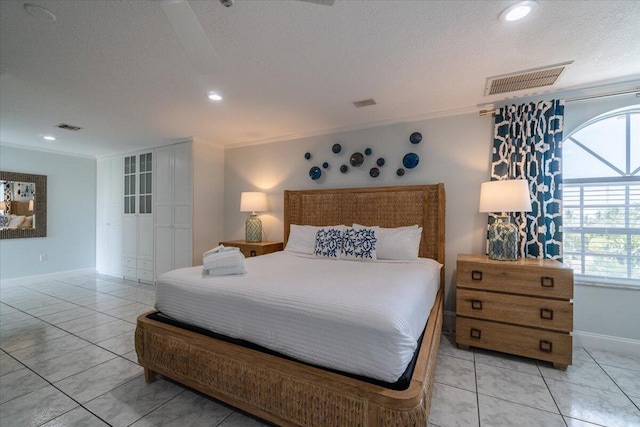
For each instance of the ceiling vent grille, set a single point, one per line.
(66, 126)
(528, 79)
(365, 103)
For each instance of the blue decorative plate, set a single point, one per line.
(315, 173)
(415, 138)
(325, 165)
(400, 172)
(374, 172)
(336, 148)
(307, 156)
(356, 159)
(344, 168)
(410, 160)
(380, 162)
(368, 151)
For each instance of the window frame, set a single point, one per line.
(627, 179)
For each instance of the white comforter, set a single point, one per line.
(359, 317)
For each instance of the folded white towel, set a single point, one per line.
(223, 259)
(219, 249)
(226, 271)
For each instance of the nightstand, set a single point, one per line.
(521, 307)
(250, 249)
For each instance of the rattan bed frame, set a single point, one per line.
(289, 393)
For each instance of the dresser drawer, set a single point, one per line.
(130, 273)
(145, 275)
(128, 262)
(535, 343)
(527, 311)
(518, 278)
(145, 264)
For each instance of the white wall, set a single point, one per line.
(71, 215)
(454, 150)
(208, 198)
(603, 310)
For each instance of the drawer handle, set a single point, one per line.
(253, 253)
(547, 314)
(476, 275)
(475, 333)
(476, 304)
(546, 282)
(546, 346)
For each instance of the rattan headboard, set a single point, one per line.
(383, 206)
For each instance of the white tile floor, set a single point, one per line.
(67, 359)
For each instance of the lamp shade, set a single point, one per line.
(31, 205)
(510, 195)
(3, 206)
(253, 201)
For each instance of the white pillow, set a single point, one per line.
(302, 239)
(328, 243)
(400, 243)
(15, 221)
(359, 245)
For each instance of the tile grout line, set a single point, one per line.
(475, 377)
(611, 378)
(551, 394)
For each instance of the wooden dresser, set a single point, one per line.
(250, 249)
(521, 307)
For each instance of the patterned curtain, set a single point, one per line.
(527, 144)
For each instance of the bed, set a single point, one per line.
(289, 392)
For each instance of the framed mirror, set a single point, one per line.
(23, 205)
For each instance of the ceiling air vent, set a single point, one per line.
(528, 79)
(365, 103)
(66, 126)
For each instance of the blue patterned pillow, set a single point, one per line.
(4, 221)
(359, 245)
(328, 243)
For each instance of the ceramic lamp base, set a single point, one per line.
(253, 229)
(503, 240)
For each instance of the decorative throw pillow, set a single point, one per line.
(4, 221)
(329, 242)
(15, 221)
(359, 245)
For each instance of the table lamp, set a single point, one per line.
(253, 201)
(502, 197)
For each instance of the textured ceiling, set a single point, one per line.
(285, 68)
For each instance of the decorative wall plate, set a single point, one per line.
(400, 172)
(344, 168)
(380, 162)
(368, 151)
(325, 165)
(415, 138)
(315, 173)
(410, 160)
(374, 172)
(336, 148)
(307, 156)
(356, 160)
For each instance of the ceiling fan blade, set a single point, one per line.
(322, 2)
(191, 35)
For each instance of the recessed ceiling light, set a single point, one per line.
(214, 96)
(518, 11)
(49, 138)
(39, 12)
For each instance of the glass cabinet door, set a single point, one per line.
(130, 185)
(144, 194)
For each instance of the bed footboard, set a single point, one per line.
(282, 391)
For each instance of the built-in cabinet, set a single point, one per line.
(137, 222)
(109, 216)
(150, 204)
(173, 204)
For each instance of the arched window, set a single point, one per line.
(601, 202)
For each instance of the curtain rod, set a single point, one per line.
(580, 98)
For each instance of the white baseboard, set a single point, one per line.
(606, 342)
(57, 275)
